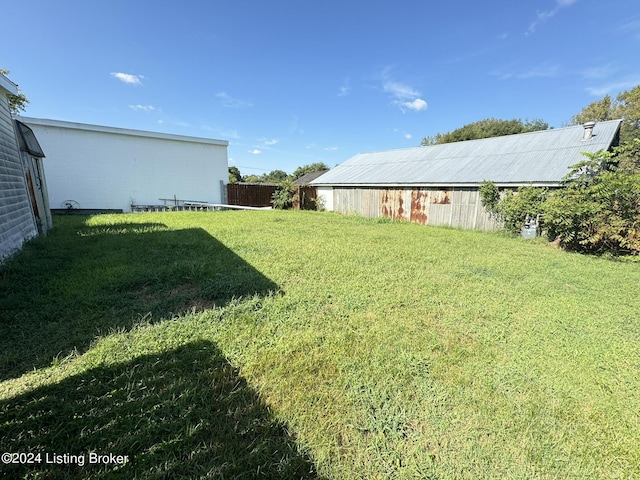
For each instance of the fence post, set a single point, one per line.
(224, 194)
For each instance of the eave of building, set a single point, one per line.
(120, 131)
(437, 185)
(7, 86)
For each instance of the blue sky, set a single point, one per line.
(289, 83)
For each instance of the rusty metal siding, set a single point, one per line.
(393, 204)
(419, 206)
(456, 207)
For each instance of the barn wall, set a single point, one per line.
(107, 170)
(456, 207)
(17, 223)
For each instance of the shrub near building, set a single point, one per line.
(513, 208)
(598, 211)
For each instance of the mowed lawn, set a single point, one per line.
(279, 344)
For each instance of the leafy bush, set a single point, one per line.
(603, 216)
(598, 211)
(516, 207)
(282, 198)
(511, 207)
(489, 196)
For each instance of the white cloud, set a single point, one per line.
(503, 73)
(128, 78)
(600, 72)
(632, 28)
(228, 101)
(255, 151)
(345, 88)
(547, 14)
(543, 70)
(142, 108)
(613, 87)
(330, 149)
(416, 105)
(273, 141)
(408, 136)
(399, 90)
(404, 96)
(537, 71)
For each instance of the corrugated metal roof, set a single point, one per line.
(542, 157)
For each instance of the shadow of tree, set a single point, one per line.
(81, 282)
(185, 413)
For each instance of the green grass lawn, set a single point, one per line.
(310, 345)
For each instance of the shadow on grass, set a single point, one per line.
(185, 413)
(81, 282)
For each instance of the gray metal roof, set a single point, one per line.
(308, 177)
(542, 157)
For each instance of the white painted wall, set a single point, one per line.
(326, 194)
(111, 168)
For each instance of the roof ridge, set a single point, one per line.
(552, 129)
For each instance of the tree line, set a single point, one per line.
(625, 106)
(275, 176)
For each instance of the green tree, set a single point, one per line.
(489, 127)
(598, 211)
(626, 106)
(310, 168)
(17, 103)
(628, 156)
(598, 111)
(253, 178)
(276, 176)
(234, 175)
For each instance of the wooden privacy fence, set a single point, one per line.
(259, 195)
(250, 194)
(305, 198)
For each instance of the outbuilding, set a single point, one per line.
(98, 168)
(439, 184)
(17, 218)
